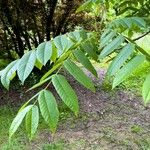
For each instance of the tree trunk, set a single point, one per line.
(49, 18)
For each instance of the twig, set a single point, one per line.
(141, 36)
(127, 40)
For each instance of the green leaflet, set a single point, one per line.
(66, 93)
(40, 83)
(128, 23)
(86, 6)
(47, 74)
(80, 56)
(8, 73)
(18, 120)
(120, 59)
(54, 53)
(114, 44)
(105, 40)
(124, 3)
(125, 24)
(26, 65)
(90, 49)
(75, 36)
(121, 23)
(146, 90)
(11, 72)
(44, 52)
(105, 33)
(79, 75)
(139, 22)
(32, 121)
(49, 109)
(63, 57)
(38, 64)
(62, 43)
(1, 72)
(128, 69)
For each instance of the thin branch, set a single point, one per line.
(141, 36)
(127, 40)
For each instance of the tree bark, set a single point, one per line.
(51, 4)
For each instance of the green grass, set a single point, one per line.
(20, 140)
(6, 116)
(59, 145)
(136, 129)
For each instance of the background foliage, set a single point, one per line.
(25, 24)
